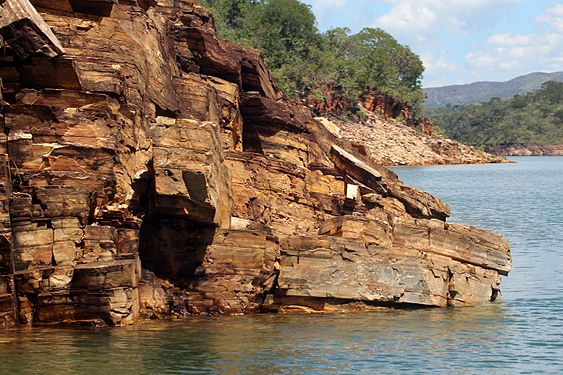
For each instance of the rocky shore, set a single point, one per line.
(529, 150)
(151, 170)
(392, 143)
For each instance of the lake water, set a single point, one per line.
(523, 201)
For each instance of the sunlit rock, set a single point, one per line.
(152, 170)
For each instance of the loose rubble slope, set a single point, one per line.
(391, 142)
(151, 170)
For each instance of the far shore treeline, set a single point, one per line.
(316, 67)
(535, 118)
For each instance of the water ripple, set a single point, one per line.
(523, 336)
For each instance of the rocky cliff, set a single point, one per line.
(151, 170)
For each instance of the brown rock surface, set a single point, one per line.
(347, 270)
(528, 150)
(25, 31)
(392, 142)
(152, 170)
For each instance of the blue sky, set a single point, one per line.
(461, 41)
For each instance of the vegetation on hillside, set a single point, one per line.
(478, 92)
(532, 119)
(330, 69)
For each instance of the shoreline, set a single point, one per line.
(391, 143)
(209, 192)
(527, 150)
(506, 161)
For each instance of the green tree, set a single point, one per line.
(533, 118)
(379, 62)
(553, 92)
(307, 64)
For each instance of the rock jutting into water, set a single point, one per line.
(152, 170)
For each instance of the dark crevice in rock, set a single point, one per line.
(452, 293)
(160, 172)
(494, 294)
(173, 248)
(100, 8)
(165, 112)
(143, 188)
(251, 78)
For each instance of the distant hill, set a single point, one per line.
(483, 91)
(532, 119)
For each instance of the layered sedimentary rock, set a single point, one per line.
(151, 170)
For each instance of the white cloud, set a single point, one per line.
(406, 16)
(553, 16)
(437, 66)
(328, 5)
(427, 16)
(462, 40)
(344, 9)
(518, 53)
(509, 39)
(480, 60)
(428, 26)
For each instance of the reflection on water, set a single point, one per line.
(395, 340)
(524, 201)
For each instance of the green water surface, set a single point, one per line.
(523, 201)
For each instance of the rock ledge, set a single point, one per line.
(152, 170)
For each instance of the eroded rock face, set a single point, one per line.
(152, 170)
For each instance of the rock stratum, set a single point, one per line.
(152, 170)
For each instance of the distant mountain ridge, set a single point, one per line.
(478, 92)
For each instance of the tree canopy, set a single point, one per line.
(535, 118)
(322, 67)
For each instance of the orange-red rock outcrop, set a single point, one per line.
(152, 170)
